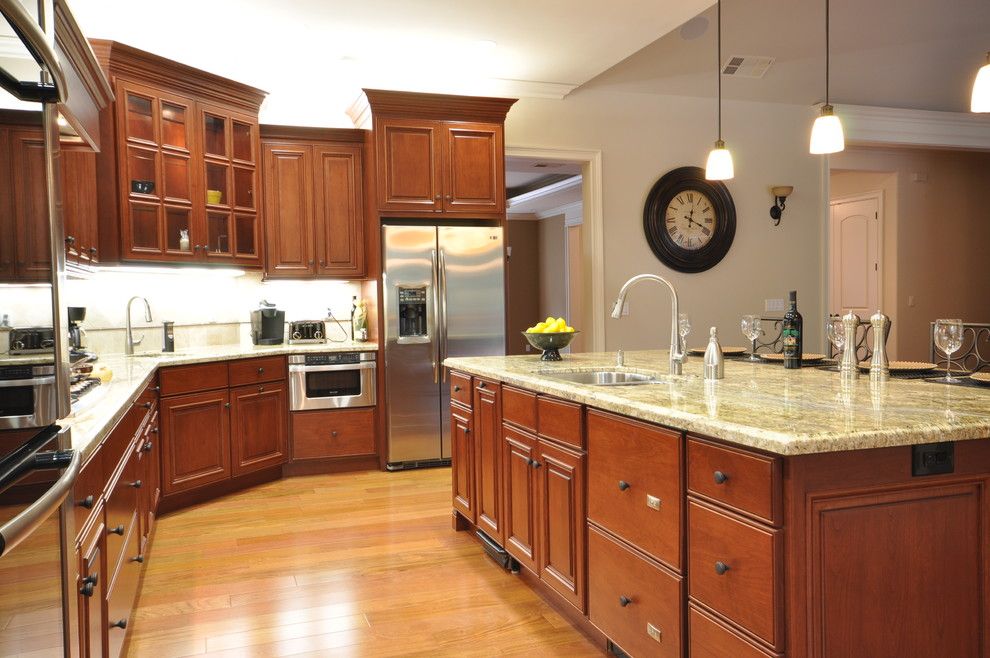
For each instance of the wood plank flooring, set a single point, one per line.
(353, 564)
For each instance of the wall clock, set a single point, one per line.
(689, 221)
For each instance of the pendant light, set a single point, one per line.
(826, 133)
(719, 165)
(981, 89)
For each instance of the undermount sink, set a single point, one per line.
(157, 355)
(604, 377)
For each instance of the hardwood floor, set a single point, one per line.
(356, 564)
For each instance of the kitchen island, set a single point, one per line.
(774, 512)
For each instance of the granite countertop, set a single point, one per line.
(761, 405)
(100, 409)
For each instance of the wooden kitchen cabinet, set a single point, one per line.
(521, 486)
(258, 433)
(196, 435)
(333, 433)
(488, 482)
(314, 210)
(91, 586)
(439, 155)
(33, 259)
(79, 203)
(562, 538)
(462, 459)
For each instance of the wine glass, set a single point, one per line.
(836, 333)
(683, 328)
(751, 329)
(948, 338)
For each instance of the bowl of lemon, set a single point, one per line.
(551, 335)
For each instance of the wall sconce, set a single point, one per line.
(780, 194)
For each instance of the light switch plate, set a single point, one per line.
(774, 305)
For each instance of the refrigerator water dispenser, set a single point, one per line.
(412, 312)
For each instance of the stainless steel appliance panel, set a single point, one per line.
(412, 359)
(472, 299)
(332, 381)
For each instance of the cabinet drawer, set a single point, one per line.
(560, 421)
(460, 388)
(121, 597)
(710, 638)
(636, 603)
(86, 491)
(519, 408)
(254, 371)
(735, 569)
(343, 433)
(188, 379)
(743, 480)
(634, 483)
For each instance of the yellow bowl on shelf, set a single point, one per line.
(214, 197)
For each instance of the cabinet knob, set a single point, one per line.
(437, 197)
(721, 568)
(535, 464)
(333, 434)
(89, 584)
(146, 405)
(86, 502)
(70, 240)
(155, 388)
(261, 389)
(148, 445)
(138, 558)
(226, 405)
(624, 601)
(482, 385)
(467, 430)
(153, 430)
(449, 197)
(457, 389)
(198, 247)
(311, 262)
(623, 485)
(720, 477)
(92, 250)
(137, 484)
(261, 371)
(323, 263)
(120, 623)
(119, 530)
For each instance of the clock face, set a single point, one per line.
(690, 219)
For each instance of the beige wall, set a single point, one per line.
(641, 137)
(942, 233)
(553, 264)
(522, 280)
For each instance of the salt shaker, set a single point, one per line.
(849, 368)
(714, 361)
(879, 366)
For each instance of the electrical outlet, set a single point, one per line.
(911, 300)
(774, 305)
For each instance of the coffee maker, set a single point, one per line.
(76, 314)
(267, 325)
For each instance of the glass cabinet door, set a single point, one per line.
(214, 135)
(220, 235)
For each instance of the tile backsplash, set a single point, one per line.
(208, 307)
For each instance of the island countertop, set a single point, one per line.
(760, 405)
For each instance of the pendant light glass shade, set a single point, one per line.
(981, 89)
(719, 165)
(826, 133)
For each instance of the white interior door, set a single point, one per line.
(855, 256)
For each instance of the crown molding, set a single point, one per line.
(446, 107)
(313, 134)
(360, 112)
(573, 213)
(547, 190)
(865, 124)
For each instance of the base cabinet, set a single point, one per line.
(258, 435)
(196, 430)
(91, 590)
(561, 542)
(333, 433)
(488, 458)
(520, 487)
(462, 461)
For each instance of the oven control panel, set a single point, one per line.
(339, 358)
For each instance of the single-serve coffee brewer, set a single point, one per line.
(76, 315)
(267, 325)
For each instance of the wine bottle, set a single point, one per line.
(791, 333)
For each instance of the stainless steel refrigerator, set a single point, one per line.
(444, 296)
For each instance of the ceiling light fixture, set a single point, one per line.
(981, 89)
(826, 133)
(719, 165)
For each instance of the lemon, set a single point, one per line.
(569, 329)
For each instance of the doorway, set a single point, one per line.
(856, 255)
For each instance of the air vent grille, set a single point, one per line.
(747, 66)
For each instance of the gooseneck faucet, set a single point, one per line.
(129, 341)
(676, 349)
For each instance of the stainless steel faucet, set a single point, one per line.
(676, 349)
(129, 341)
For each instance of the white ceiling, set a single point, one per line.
(314, 56)
(521, 171)
(915, 54)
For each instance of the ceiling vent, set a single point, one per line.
(747, 66)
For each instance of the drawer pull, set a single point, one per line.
(156, 389)
(261, 389)
(482, 385)
(119, 530)
(721, 568)
(624, 601)
(87, 502)
(120, 623)
(623, 485)
(139, 559)
(334, 434)
(467, 430)
(89, 585)
(146, 405)
(136, 484)
(261, 371)
(720, 477)
(457, 389)
(652, 502)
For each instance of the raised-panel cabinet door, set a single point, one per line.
(474, 171)
(562, 514)
(31, 236)
(288, 210)
(520, 487)
(91, 588)
(462, 462)
(339, 211)
(7, 270)
(149, 449)
(79, 211)
(409, 165)
(488, 459)
(258, 432)
(195, 440)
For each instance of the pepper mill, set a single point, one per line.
(849, 368)
(714, 361)
(879, 366)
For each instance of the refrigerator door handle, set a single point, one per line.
(436, 303)
(442, 294)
